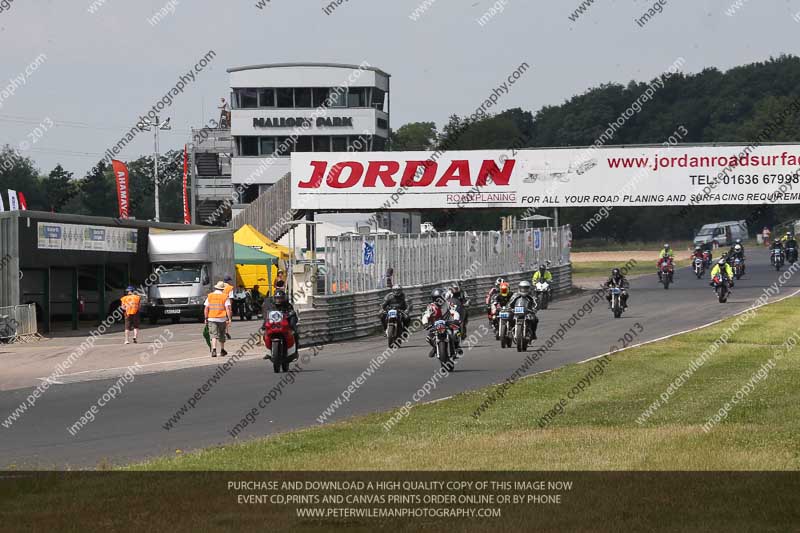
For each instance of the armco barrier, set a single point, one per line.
(345, 317)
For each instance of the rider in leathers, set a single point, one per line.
(524, 290)
(441, 312)
(280, 302)
(617, 280)
(395, 300)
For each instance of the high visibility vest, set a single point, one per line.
(216, 305)
(227, 290)
(131, 304)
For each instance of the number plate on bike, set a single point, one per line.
(519, 310)
(393, 313)
(504, 314)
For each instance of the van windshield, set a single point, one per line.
(706, 231)
(175, 274)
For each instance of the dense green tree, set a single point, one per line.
(414, 136)
(98, 192)
(58, 188)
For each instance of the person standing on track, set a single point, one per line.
(218, 317)
(130, 304)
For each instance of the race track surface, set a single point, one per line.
(130, 428)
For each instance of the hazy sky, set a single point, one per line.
(103, 70)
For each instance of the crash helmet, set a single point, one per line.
(280, 297)
(436, 295)
(722, 261)
(738, 248)
(524, 288)
(455, 290)
(498, 281)
(697, 248)
(397, 290)
(666, 247)
(503, 289)
(738, 241)
(542, 269)
(776, 242)
(788, 234)
(616, 274)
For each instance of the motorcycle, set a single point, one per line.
(445, 343)
(616, 301)
(791, 254)
(395, 326)
(699, 267)
(522, 332)
(706, 259)
(776, 258)
(279, 341)
(504, 327)
(738, 268)
(722, 288)
(242, 305)
(542, 294)
(666, 273)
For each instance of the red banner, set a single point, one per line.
(121, 178)
(23, 203)
(187, 218)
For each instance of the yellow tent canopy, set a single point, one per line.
(250, 275)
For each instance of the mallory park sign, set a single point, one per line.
(636, 176)
(303, 122)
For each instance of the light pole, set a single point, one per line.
(146, 125)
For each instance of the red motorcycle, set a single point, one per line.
(665, 271)
(279, 341)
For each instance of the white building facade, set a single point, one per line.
(277, 109)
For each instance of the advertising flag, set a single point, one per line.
(187, 218)
(23, 203)
(369, 253)
(13, 205)
(121, 178)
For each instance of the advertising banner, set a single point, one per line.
(121, 178)
(637, 176)
(55, 236)
(13, 204)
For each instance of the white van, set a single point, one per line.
(721, 233)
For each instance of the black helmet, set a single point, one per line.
(280, 297)
(397, 290)
(455, 290)
(436, 295)
(542, 269)
(616, 274)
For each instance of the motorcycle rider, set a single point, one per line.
(492, 294)
(665, 254)
(737, 251)
(500, 299)
(698, 252)
(776, 245)
(396, 299)
(617, 280)
(438, 310)
(542, 275)
(280, 302)
(458, 299)
(790, 242)
(524, 291)
(724, 270)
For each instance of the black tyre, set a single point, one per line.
(666, 283)
(617, 312)
(444, 353)
(276, 366)
(391, 334)
(285, 365)
(278, 355)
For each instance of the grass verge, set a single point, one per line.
(598, 429)
(600, 269)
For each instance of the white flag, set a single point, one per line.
(13, 204)
(2, 207)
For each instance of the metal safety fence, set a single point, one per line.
(18, 323)
(358, 263)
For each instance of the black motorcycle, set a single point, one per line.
(395, 325)
(445, 343)
(791, 254)
(523, 317)
(242, 305)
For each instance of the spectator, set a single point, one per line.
(280, 283)
(218, 317)
(130, 304)
(387, 282)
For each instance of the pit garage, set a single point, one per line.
(73, 268)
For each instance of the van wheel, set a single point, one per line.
(153, 320)
(175, 319)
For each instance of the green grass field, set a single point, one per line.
(598, 430)
(599, 269)
(599, 245)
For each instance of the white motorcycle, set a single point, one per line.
(542, 294)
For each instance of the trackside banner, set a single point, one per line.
(642, 176)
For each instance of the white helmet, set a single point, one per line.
(524, 288)
(738, 248)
